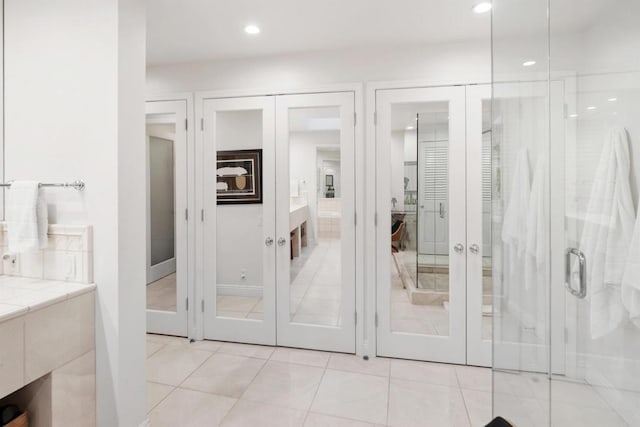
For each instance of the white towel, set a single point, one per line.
(514, 230)
(537, 227)
(26, 216)
(607, 234)
(537, 253)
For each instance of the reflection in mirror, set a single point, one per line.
(161, 251)
(315, 215)
(240, 267)
(420, 218)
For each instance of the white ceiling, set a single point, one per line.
(201, 30)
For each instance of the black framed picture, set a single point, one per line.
(239, 177)
(329, 180)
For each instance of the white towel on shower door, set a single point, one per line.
(607, 233)
(514, 227)
(26, 215)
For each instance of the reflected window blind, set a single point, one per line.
(435, 170)
(486, 169)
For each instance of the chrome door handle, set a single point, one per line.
(282, 241)
(459, 248)
(474, 249)
(268, 241)
(581, 292)
(441, 210)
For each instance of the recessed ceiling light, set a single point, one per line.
(483, 7)
(410, 128)
(612, 99)
(252, 29)
(573, 116)
(528, 63)
(591, 107)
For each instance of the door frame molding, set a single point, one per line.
(361, 293)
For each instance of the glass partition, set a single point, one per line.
(567, 278)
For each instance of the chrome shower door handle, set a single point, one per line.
(459, 248)
(268, 241)
(474, 249)
(282, 241)
(442, 210)
(581, 292)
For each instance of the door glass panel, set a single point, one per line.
(240, 245)
(161, 250)
(420, 209)
(315, 215)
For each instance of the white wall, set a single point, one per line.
(75, 110)
(468, 62)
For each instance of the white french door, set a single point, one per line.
(167, 277)
(434, 290)
(315, 217)
(239, 190)
(279, 207)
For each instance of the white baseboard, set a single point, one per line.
(240, 290)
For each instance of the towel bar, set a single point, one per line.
(78, 185)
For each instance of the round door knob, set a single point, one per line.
(268, 241)
(282, 241)
(459, 248)
(475, 249)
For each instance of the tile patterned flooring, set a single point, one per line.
(212, 383)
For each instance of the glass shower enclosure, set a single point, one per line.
(566, 233)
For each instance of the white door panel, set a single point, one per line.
(167, 181)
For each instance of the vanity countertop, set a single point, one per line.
(19, 295)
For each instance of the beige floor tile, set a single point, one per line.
(420, 404)
(224, 374)
(153, 347)
(353, 396)
(285, 384)
(206, 345)
(167, 339)
(254, 414)
(155, 393)
(317, 319)
(473, 378)
(301, 357)
(187, 408)
(236, 303)
(161, 294)
(478, 404)
(321, 420)
(173, 364)
(352, 363)
(431, 373)
(249, 350)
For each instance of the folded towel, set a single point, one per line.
(607, 232)
(26, 216)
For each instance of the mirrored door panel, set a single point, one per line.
(166, 143)
(239, 242)
(315, 215)
(420, 139)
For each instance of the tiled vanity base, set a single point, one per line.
(47, 360)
